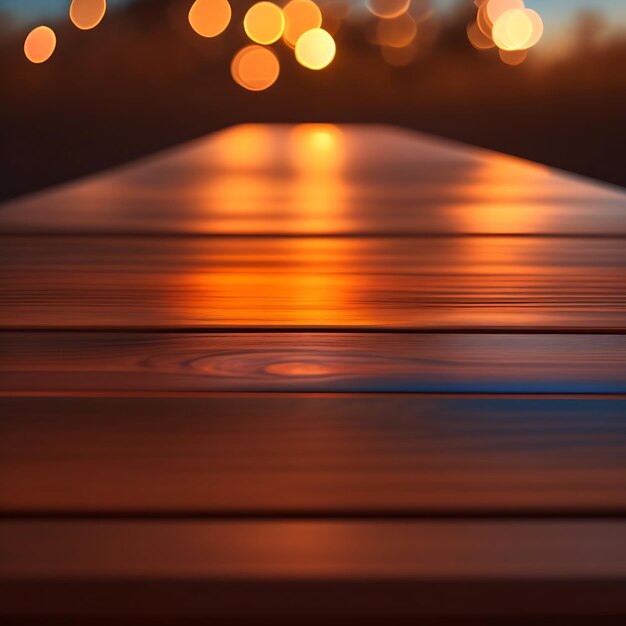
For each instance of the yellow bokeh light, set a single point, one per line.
(388, 8)
(517, 29)
(315, 49)
(86, 14)
(255, 68)
(40, 44)
(300, 16)
(398, 32)
(537, 26)
(209, 18)
(497, 8)
(264, 22)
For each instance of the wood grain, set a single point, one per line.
(313, 549)
(307, 454)
(182, 346)
(69, 362)
(495, 573)
(439, 283)
(323, 179)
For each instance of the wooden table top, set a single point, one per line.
(378, 372)
(324, 180)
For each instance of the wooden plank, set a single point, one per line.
(305, 549)
(262, 572)
(312, 455)
(476, 283)
(68, 362)
(322, 179)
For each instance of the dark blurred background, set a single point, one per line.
(143, 80)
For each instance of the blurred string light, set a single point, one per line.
(40, 44)
(87, 14)
(264, 22)
(255, 68)
(210, 18)
(315, 49)
(507, 25)
(517, 29)
(477, 37)
(300, 16)
(308, 29)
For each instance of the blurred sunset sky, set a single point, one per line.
(145, 80)
(558, 15)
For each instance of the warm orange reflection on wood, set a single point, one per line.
(248, 180)
(427, 283)
(314, 322)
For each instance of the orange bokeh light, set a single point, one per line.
(477, 38)
(209, 18)
(483, 22)
(264, 22)
(86, 14)
(40, 44)
(255, 68)
(300, 16)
